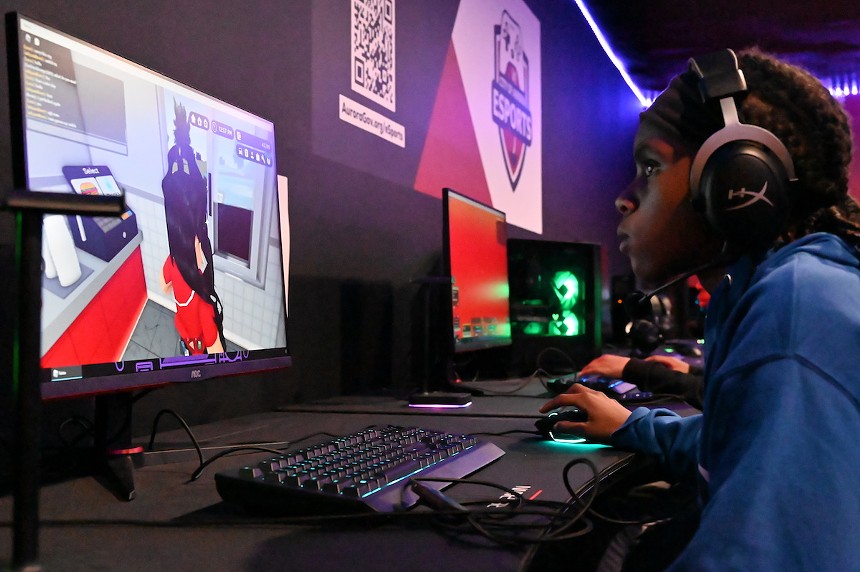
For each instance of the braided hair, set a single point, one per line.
(793, 105)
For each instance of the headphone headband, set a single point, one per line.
(719, 75)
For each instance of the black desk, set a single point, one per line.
(176, 525)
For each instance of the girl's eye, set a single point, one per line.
(649, 168)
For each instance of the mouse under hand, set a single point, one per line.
(546, 426)
(604, 415)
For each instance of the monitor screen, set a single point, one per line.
(476, 256)
(555, 295)
(190, 282)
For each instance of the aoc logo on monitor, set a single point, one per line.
(510, 96)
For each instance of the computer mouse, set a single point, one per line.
(686, 349)
(545, 425)
(689, 351)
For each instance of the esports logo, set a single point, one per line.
(510, 96)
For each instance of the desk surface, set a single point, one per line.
(174, 524)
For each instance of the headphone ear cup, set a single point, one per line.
(743, 193)
(740, 177)
(645, 336)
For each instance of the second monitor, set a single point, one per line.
(475, 257)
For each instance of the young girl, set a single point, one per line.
(774, 452)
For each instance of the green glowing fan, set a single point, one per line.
(565, 322)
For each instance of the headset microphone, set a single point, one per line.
(649, 325)
(646, 296)
(722, 258)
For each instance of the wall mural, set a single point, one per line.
(453, 101)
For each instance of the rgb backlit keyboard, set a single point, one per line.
(362, 472)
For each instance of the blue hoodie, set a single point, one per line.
(776, 448)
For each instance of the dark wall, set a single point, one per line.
(357, 240)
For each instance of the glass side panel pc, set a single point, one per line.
(475, 252)
(190, 282)
(554, 289)
(556, 302)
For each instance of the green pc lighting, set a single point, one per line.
(566, 288)
(533, 329)
(565, 324)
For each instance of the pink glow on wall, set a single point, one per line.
(852, 105)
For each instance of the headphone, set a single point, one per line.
(740, 177)
(651, 322)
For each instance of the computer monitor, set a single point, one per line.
(475, 258)
(191, 281)
(555, 297)
(467, 309)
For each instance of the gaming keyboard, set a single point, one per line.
(367, 471)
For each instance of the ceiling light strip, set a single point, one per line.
(843, 86)
(645, 101)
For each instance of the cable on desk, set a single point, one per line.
(537, 374)
(500, 526)
(239, 448)
(593, 494)
(550, 349)
(185, 426)
(560, 518)
(542, 376)
(203, 463)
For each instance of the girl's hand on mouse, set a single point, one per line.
(605, 415)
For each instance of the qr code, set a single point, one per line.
(373, 71)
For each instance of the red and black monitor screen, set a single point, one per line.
(190, 282)
(476, 254)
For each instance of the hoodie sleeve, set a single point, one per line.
(781, 474)
(657, 378)
(667, 436)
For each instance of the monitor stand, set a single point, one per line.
(438, 384)
(439, 399)
(114, 458)
(429, 398)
